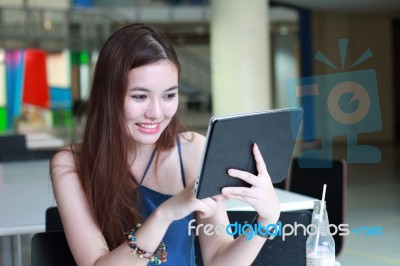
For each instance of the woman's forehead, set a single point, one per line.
(164, 73)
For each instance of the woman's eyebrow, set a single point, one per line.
(172, 88)
(142, 89)
(139, 89)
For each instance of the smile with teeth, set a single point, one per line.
(149, 126)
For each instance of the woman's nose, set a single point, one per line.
(154, 110)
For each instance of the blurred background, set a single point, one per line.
(48, 51)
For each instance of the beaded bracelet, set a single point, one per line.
(156, 258)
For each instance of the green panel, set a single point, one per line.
(3, 119)
(75, 58)
(84, 58)
(62, 117)
(80, 58)
(68, 118)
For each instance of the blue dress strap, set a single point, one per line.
(180, 162)
(148, 164)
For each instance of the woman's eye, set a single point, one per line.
(139, 97)
(170, 95)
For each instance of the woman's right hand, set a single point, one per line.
(185, 202)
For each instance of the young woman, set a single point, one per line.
(136, 165)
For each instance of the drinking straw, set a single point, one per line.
(320, 217)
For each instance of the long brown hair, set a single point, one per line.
(103, 164)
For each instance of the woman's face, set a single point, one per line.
(151, 100)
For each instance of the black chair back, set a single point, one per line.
(49, 249)
(310, 182)
(53, 220)
(11, 146)
(287, 252)
(276, 252)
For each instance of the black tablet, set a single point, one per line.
(229, 144)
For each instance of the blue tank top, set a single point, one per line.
(180, 246)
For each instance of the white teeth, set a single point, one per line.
(148, 125)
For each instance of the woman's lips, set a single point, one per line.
(149, 128)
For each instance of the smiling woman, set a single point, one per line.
(151, 100)
(110, 204)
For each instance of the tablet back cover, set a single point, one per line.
(229, 145)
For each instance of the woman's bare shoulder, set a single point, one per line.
(192, 149)
(65, 161)
(193, 141)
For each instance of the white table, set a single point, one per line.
(26, 193)
(290, 201)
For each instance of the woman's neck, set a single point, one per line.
(142, 152)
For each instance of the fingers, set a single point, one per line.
(261, 195)
(241, 192)
(207, 207)
(210, 202)
(248, 177)
(219, 198)
(260, 164)
(245, 176)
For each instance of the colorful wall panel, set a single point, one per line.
(35, 87)
(14, 74)
(3, 96)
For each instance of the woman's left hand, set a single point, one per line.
(261, 195)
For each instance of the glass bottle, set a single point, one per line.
(320, 246)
